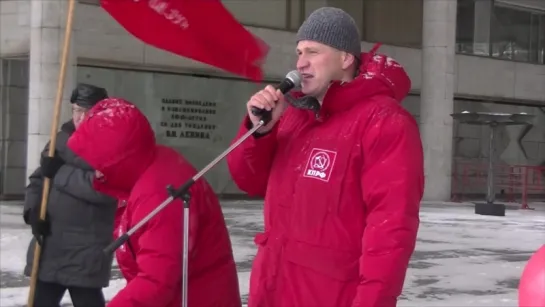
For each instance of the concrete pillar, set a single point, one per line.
(48, 20)
(438, 60)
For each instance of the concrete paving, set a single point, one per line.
(461, 259)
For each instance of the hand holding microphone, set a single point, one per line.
(268, 104)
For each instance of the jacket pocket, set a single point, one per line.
(265, 262)
(339, 265)
(264, 278)
(83, 253)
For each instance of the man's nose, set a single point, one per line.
(302, 63)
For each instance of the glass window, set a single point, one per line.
(394, 22)
(500, 30)
(259, 13)
(511, 34)
(540, 44)
(377, 20)
(465, 24)
(473, 27)
(533, 44)
(306, 7)
(93, 2)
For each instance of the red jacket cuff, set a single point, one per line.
(247, 124)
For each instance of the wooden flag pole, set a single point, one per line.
(52, 143)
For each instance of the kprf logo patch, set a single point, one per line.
(320, 164)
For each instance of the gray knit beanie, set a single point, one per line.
(333, 27)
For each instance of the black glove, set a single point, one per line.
(50, 165)
(40, 228)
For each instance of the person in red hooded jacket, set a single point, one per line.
(342, 187)
(117, 140)
(532, 281)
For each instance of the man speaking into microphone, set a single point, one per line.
(342, 186)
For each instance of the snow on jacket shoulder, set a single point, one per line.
(119, 142)
(342, 195)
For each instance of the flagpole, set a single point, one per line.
(52, 143)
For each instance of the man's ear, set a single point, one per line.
(347, 60)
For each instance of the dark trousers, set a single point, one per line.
(50, 295)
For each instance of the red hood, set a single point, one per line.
(379, 75)
(117, 140)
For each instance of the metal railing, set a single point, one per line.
(512, 183)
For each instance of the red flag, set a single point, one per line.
(203, 30)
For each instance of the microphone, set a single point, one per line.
(292, 80)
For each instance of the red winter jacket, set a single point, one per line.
(121, 205)
(117, 140)
(342, 195)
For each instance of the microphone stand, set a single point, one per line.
(183, 193)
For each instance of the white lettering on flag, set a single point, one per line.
(161, 7)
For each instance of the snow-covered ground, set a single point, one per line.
(461, 259)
